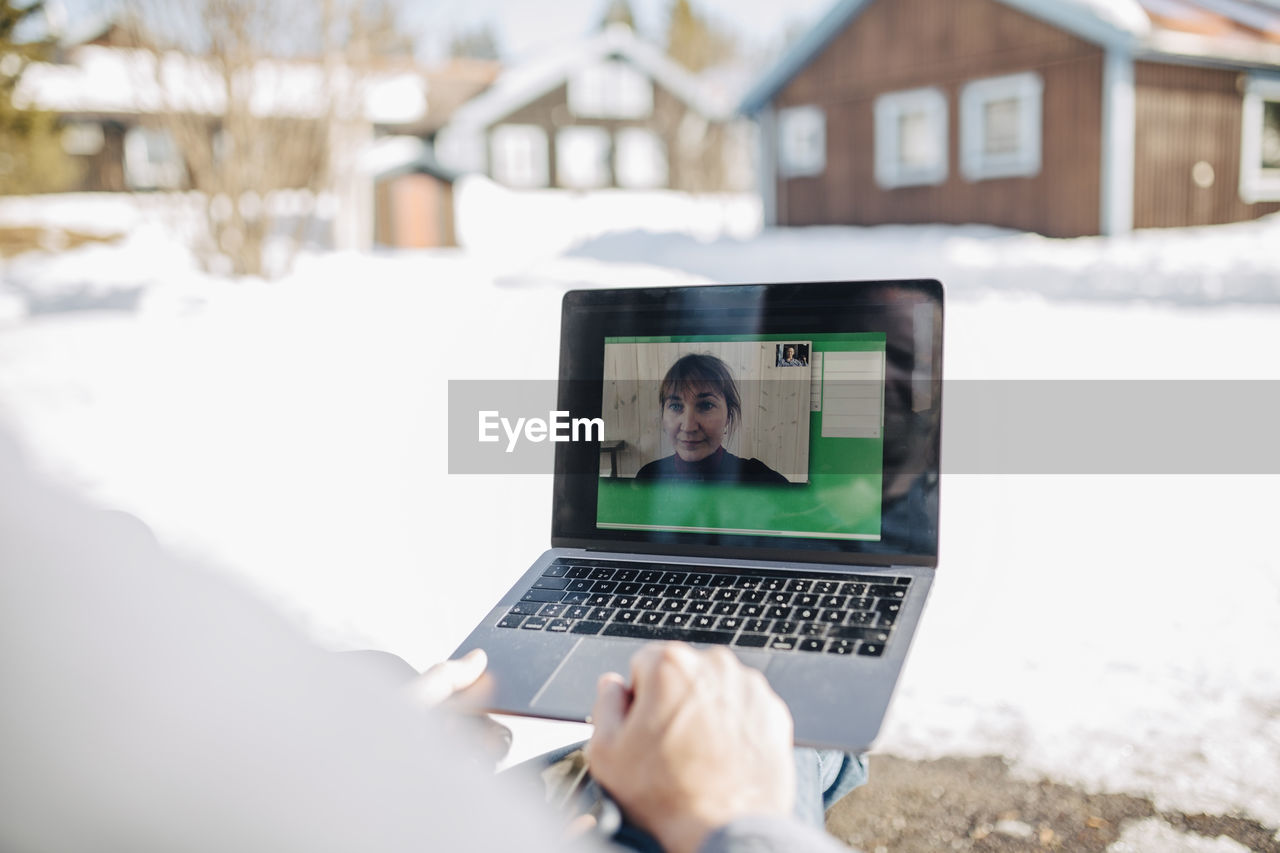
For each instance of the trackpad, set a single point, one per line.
(571, 689)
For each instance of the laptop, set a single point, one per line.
(758, 468)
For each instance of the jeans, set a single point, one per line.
(822, 778)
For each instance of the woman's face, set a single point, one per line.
(695, 420)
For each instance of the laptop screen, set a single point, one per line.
(762, 420)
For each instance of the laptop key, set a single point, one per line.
(647, 603)
(678, 620)
(701, 593)
(725, 608)
(779, 613)
(860, 617)
(704, 621)
(672, 605)
(751, 611)
(888, 605)
(625, 574)
(825, 587)
(580, 585)
(721, 580)
(871, 635)
(675, 577)
(834, 617)
(550, 609)
(748, 582)
(510, 621)
(783, 598)
(873, 650)
(601, 574)
(886, 591)
(604, 586)
(833, 601)
(654, 589)
(586, 627)
(725, 594)
(855, 589)
(526, 608)
(550, 583)
(542, 595)
(773, 584)
(887, 620)
(650, 576)
(806, 599)
(677, 591)
(628, 588)
(601, 614)
(729, 623)
(627, 616)
(798, 585)
(555, 571)
(600, 599)
(661, 632)
(809, 644)
(698, 580)
(840, 647)
(752, 640)
(699, 607)
(649, 618)
(578, 611)
(578, 572)
(534, 623)
(806, 614)
(575, 597)
(558, 626)
(814, 629)
(756, 626)
(783, 644)
(784, 626)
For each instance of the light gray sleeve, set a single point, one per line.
(771, 835)
(150, 706)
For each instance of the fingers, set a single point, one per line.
(610, 709)
(446, 678)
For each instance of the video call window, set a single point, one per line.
(759, 435)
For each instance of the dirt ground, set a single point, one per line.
(974, 804)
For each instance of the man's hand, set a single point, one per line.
(449, 678)
(697, 741)
(460, 685)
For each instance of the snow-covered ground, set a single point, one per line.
(1113, 631)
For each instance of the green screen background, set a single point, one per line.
(840, 501)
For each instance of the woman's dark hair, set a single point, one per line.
(699, 370)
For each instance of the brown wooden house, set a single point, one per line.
(1064, 117)
(608, 111)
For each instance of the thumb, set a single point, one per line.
(449, 677)
(612, 701)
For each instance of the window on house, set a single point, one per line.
(520, 155)
(802, 141)
(582, 157)
(610, 89)
(1000, 127)
(641, 159)
(151, 160)
(82, 138)
(1260, 142)
(911, 138)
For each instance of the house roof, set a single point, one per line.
(127, 81)
(524, 83)
(390, 156)
(1239, 31)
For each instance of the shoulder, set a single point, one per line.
(755, 471)
(656, 468)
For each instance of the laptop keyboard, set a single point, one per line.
(838, 614)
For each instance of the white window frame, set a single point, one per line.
(515, 175)
(1257, 184)
(802, 141)
(611, 88)
(577, 165)
(628, 143)
(891, 172)
(976, 164)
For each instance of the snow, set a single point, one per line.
(1115, 632)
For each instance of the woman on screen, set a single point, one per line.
(700, 408)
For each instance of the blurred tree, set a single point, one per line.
(693, 41)
(480, 43)
(618, 12)
(263, 98)
(31, 155)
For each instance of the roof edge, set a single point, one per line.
(1075, 17)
